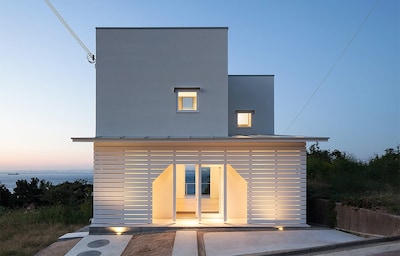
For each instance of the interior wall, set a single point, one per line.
(215, 180)
(163, 195)
(180, 181)
(236, 195)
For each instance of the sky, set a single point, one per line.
(47, 87)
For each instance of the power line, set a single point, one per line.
(333, 66)
(90, 56)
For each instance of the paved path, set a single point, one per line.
(104, 245)
(381, 249)
(237, 243)
(185, 243)
(307, 242)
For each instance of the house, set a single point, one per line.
(178, 140)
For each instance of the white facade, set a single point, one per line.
(179, 141)
(262, 182)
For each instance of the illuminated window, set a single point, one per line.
(190, 180)
(187, 99)
(244, 118)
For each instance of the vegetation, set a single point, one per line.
(339, 177)
(37, 213)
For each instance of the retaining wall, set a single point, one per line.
(352, 218)
(367, 221)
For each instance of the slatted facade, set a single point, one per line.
(275, 174)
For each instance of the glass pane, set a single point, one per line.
(190, 188)
(205, 188)
(187, 100)
(205, 180)
(187, 104)
(244, 119)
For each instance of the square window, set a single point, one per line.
(187, 101)
(244, 119)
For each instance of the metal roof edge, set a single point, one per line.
(162, 27)
(265, 138)
(251, 75)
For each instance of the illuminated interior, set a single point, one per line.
(198, 191)
(187, 101)
(244, 119)
(258, 186)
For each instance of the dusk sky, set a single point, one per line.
(47, 87)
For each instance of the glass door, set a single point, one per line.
(186, 191)
(211, 191)
(199, 192)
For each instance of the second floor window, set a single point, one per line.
(244, 118)
(187, 99)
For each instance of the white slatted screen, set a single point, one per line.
(275, 175)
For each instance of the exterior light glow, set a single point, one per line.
(280, 228)
(119, 230)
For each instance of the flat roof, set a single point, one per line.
(251, 75)
(236, 138)
(162, 28)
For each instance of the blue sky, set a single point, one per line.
(47, 87)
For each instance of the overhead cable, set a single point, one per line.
(333, 66)
(90, 56)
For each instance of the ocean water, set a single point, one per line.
(9, 178)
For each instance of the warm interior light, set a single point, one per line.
(187, 100)
(244, 119)
(119, 230)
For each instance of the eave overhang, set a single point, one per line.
(236, 138)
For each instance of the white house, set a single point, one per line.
(178, 140)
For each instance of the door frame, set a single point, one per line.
(198, 190)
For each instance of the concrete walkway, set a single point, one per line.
(297, 242)
(237, 243)
(104, 245)
(185, 243)
(382, 249)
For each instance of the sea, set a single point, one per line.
(9, 178)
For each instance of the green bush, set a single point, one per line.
(341, 178)
(66, 203)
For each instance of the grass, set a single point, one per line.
(26, 233)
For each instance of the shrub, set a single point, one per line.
(339, 177)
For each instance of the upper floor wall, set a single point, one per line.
(251, 104)
(141, 71)
(161, 82)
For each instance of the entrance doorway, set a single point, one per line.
(199, 191)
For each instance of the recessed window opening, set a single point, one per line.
(187, 99)
(244, 119)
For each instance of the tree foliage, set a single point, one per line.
(68, 202)
(5, 196)
(340, 177)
